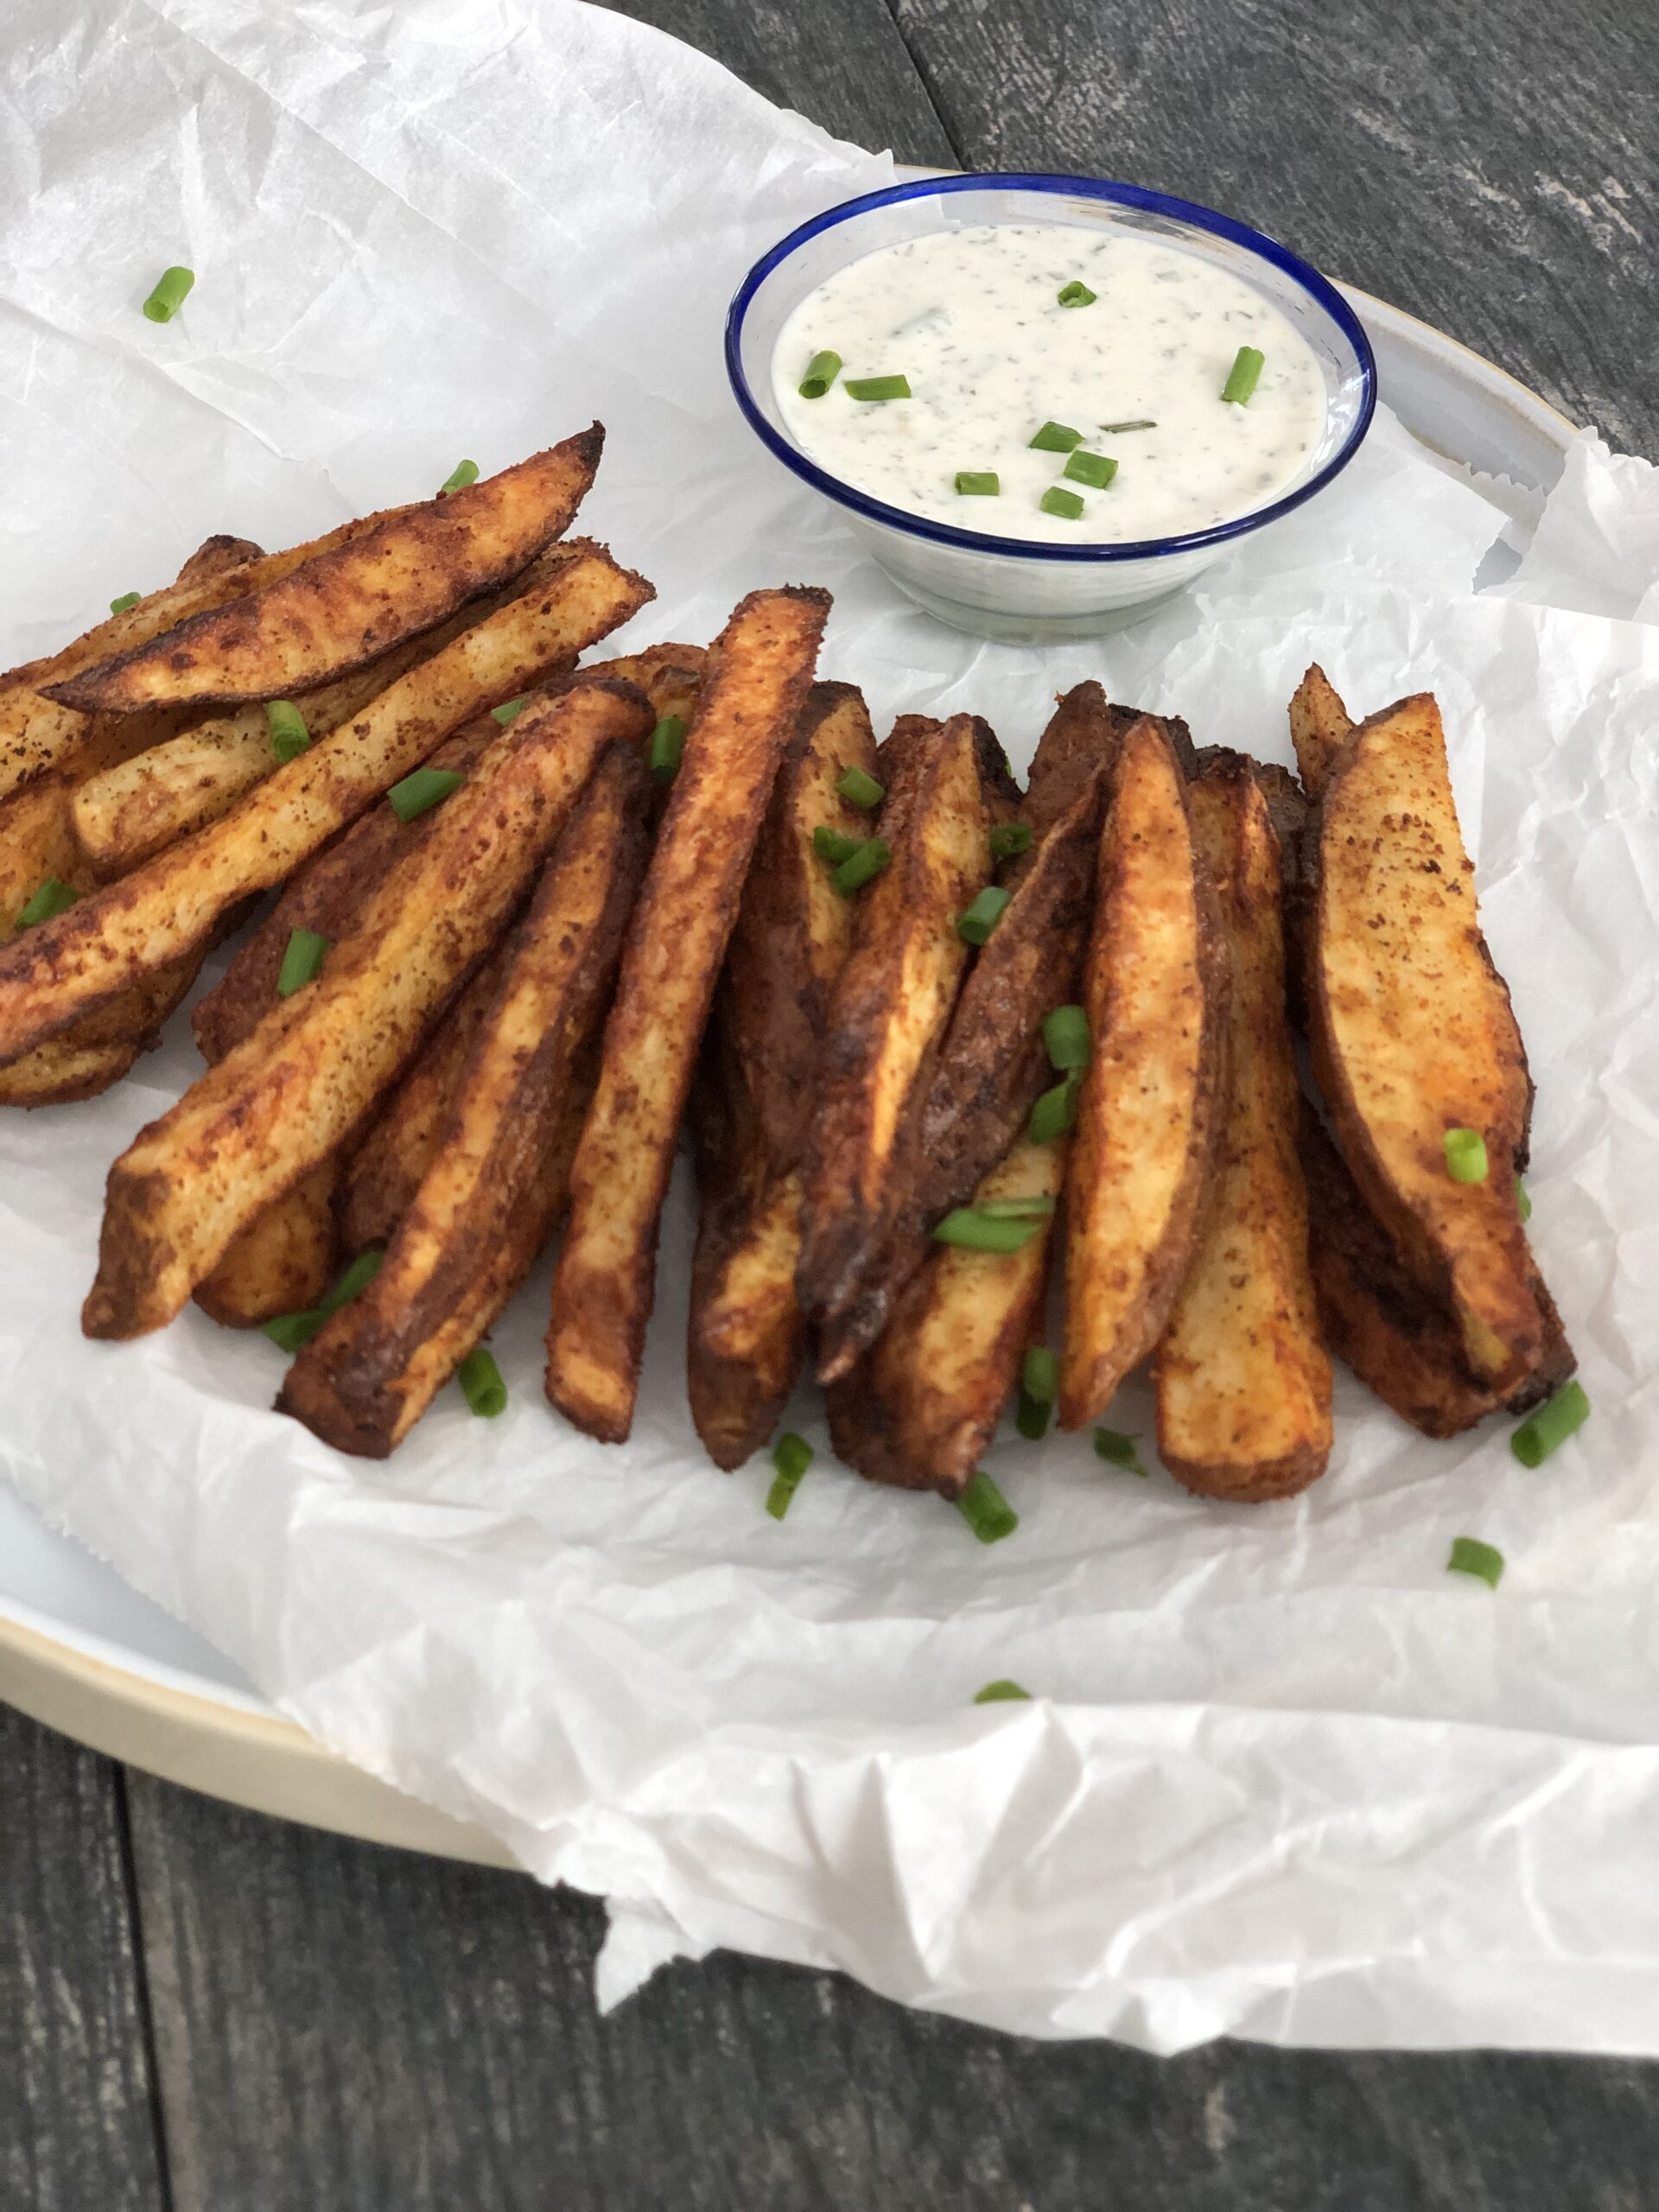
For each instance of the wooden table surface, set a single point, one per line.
(206, 2011)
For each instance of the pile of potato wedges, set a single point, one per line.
(952, 1056)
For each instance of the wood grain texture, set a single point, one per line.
(76, 2132)
(1491, 169)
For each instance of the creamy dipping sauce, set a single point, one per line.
(972, 319)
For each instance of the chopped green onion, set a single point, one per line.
(172, 288)
(1471, 1556)
(1065, 1035)
(1112, 429)
(985, 1510)
(127, 599)
(1056, 502)
(54, 897)
(302, 961)
(999, 1693)
(481, 1384)
(977, 1231)
(463, 473)
(860, 789)
(1032, 1417)
(285, 726)
(1118, 1450)
(421, 791)
(1466, 1155)
(1242, 377)
(1036, 1206)
(1075, 295)
(1523, 1202)
(1055, 1111)
(1009, 838)
(877, 387)
(1039, 1376)
(1553, 1423)
(856, 870)
(667, 748)
(975, 923)
(978, 484)
(1056, 438)
(290, 1331)
(835, 845)
(821, 372)
(791, 1456)
(508, 711)
(1096, 469)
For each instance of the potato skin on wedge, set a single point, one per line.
(1241, 1377)
(1156, 993)
(1413, 1034)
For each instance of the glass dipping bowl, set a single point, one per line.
(1018, 589)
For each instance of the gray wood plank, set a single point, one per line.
(843, 62)
(1491, 169)
(76, 2126)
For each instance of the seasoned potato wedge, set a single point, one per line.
(283, 1262)
(281, 1102)
(1412, 1034)
(756, 680)
(372, 1371)
(754, 1090)
(344, 608)
(164, 910)
(1319, 728)
(1243, 1381)
(1156, 993)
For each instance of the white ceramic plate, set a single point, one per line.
(82, 1651)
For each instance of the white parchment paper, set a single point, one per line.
(1284, 1776)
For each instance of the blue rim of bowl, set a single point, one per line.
(1319, 289)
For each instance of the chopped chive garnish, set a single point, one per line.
(1056, 502)
(856, 870)
(1075, 295)
(1009, 838)
(1112, 429)
(423, 789)
(999, 1693)
(833, 845)
(290, 1331)
(54, 897)
(985, 1510)
(860, 789)
(976, 1231)
(1242, 377)
(1553, 1422)
(1118, 1450)
(1055, 1111)
(481, 1384)
(1065, 1036)
(285, 726)
(1037, 1206)
(1032, 1417)
(1466, 1155)
(1523, 1202)
(302, 961)
(791, 1456)
(1097, 469)
(1039, 1375)
(877, 387)
(666, 748)
(978, 484)
(127, 599)
(975, 923)
(821, 372)
(1056, 438)
(172, 288)
(1471, 1556)
(463, 473)
(509, 710)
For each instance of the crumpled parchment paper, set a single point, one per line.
(1284, 1776)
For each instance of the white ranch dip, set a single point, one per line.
(972, 319)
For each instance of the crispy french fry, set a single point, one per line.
(1319, 728)
(887, 1017)
(347, 606)
(753, 1096)
(603, 1288)
(1155, 992)
(372, 1371)
(1243, 1381)
(217, 556)
(283, 1262)
(1412, 1034)
(282, 1101)
(63, 968)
